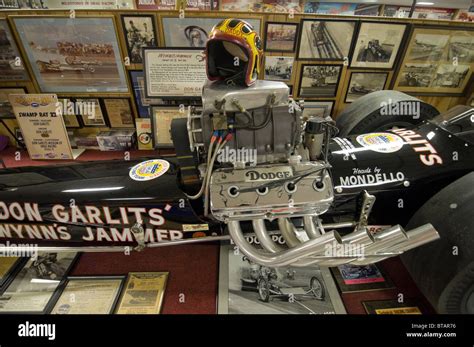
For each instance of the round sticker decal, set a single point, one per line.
(381, 142)
(148, 170)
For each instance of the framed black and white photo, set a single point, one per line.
(34, 287)
(437, 61)
(91, 114)
(318, 108)
(319, 81)
(89, 295)
(278, 68)
(139, 32)
(378, 45)
(326, 39)
(290, 290)
(362, 83)
(280, 37)
(119, 112)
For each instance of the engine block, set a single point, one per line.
(223, 107)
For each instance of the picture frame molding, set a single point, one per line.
(105, 112)
(410, 36)
(79, 15)
(295, 43)
(319, 19)
(124, 31)
(63, 285)
(386, 73)
(315, 98)
(401, 48)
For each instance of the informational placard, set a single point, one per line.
(174, 72)
(42, 125)
(143, 293)
(89, 5)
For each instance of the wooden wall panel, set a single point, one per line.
(441, 102)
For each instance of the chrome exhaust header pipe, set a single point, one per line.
(413, 238)
(264, 238)
(383, 242)
(282, 258)
(360, 239)
(328, 249)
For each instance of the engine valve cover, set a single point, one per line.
(243, 194)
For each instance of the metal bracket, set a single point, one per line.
(139, 235)
(368, 201)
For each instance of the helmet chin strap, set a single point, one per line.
(237, 79)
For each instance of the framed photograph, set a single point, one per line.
(409, 306)
(319, 81)
(92, 115)
(437, 61)
(6, 109)
(143, 103)
(69, 113)
(281, 37)
(326, 39)
(9, 4)
(139, 31)
(119, 112)
(268, 6)
(143, 293)
(161, 118)
(378, 45)
(32, 4)
(178, 73)
(11, 67)
(9, 267)
(311, 288)
(351, 278)
(278, 68)
(362, 83)
(89, 295)
(193, 31)
(33, 289)
(73, 55)
(317, 109)
(85, 5)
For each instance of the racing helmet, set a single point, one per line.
(234, 53)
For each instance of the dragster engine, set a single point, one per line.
(261, 161)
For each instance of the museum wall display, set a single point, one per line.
(364, 54)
